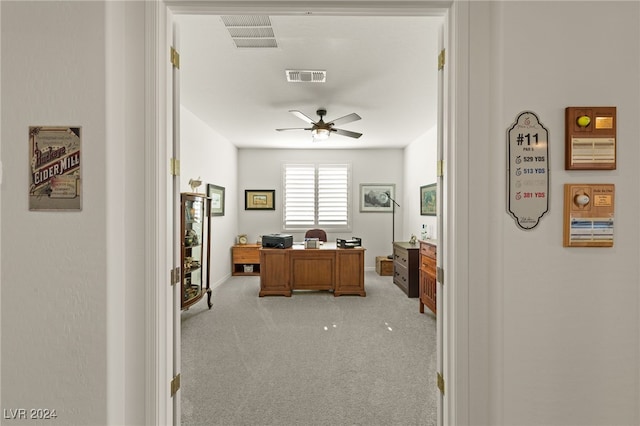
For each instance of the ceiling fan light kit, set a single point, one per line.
(320, 130)
(320, 134)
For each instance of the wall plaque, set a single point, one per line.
(590, 138)
(527, 170)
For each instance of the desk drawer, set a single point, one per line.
(246, 255)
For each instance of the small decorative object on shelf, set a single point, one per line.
(196, 236)
(194, 184)
(413, 240)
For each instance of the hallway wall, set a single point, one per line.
(560, 326)
(54, 264)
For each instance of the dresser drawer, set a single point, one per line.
(428, 250)
(401, 276)
(428, 265)
(401, 256)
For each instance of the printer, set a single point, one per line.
(282, 241)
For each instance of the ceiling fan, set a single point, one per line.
(321, 129)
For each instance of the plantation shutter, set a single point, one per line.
(333, 195)
(316, 196)
(299, 195)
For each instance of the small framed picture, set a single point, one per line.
(216, 193)
(428, 200)
(259, 199)
(377, 197)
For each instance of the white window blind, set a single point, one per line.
(317, 196)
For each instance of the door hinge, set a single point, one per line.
(175, 58)
(440, 275)
(440, 383)
(175, 384)
(441, 56)
(175, 275)
(174, 167)
(440, 168)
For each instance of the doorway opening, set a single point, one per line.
(160, 17)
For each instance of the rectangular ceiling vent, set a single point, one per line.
(252, 31)
(306, 76)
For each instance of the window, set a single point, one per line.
(317, 195)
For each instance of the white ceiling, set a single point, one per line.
(382, 68)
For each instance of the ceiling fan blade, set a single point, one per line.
(301, 116)
(346, 119)
(347, 133)
(294, 128)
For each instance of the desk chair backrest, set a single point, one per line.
(316, 233)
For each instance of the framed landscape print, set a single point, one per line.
(428, 200)
(259, 199)
(216, 193)
(377, 197)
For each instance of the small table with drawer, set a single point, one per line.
(245, 259)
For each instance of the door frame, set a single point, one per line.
(453, 258)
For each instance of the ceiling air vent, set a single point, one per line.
(252, 31)
(306, 76)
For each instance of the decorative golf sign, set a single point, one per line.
(528, 170)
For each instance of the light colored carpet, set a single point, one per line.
(311, 359)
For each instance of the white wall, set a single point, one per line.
(73, 300)
(206, 154)
(262, 169)
(54, 264)
(560, 325)
(420, 165)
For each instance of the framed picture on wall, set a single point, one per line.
(428, 200)
(259, 199)
(216, 193)
(377, 197)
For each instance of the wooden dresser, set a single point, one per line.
(245, 259)
(406, 267)
(428, 252)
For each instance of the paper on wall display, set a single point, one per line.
(528, 170)
(55, 168)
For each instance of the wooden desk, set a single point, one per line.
(326, 268)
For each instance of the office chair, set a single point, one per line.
(316, 233)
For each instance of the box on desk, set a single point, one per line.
(384, 265)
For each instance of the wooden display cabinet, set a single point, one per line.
(428, 283)
(196, 238)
